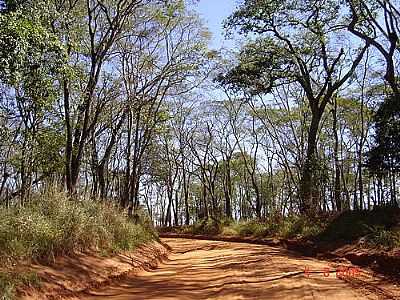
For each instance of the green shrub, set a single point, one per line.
(292, 226)
(297, 226)
(352, 225)
(207, 226)
(288, 227)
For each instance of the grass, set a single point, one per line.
(379, 227)
(51, 225)
(9, 281)
(289, 227)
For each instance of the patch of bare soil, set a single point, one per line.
(68, 277)
(203, 269)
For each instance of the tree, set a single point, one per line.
(376, 22)
(296, 45)
(28, 79)
(103, 24)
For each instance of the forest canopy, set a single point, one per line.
(126, 102)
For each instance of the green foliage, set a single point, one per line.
(297, 226)
(261, 64)
(283, 44)
(289, 227)
(48, 152)
(52, 225)
(28, 51)
(251, 228)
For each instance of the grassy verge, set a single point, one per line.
(52, 225)
(378, 228)
(289, 227)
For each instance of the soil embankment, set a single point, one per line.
(68, 277)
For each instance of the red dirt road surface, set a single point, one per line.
(200, 269)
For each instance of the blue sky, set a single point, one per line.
(214, 12)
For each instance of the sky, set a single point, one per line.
(214, 12)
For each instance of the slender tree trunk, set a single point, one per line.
(308, 185)
(186, 195)
(337, 188)
(228, 190)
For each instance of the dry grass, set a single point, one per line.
(51, 224)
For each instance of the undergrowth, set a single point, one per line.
(378, 228)
(51, 224)
(288, 227)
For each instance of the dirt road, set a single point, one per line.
(198, 269)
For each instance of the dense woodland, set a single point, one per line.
(124, 101)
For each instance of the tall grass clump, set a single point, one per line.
(51, 224)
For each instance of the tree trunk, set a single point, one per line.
(186, 196)
(308, 186)
(337, 186)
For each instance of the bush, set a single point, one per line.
(293, 226)
(207, 226)
(353, 225)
